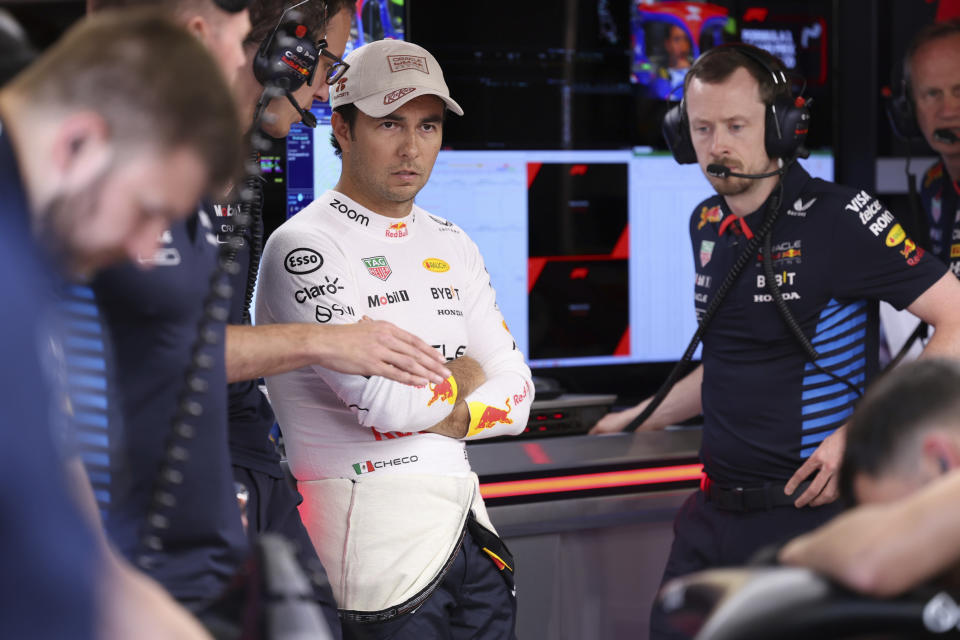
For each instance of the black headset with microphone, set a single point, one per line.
(787, 118)
(786, 125)
(286, 60)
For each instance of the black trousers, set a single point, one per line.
(705, 537)
(272, 506)
(472, 601)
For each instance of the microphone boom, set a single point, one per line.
(720, 171)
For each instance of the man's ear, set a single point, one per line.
(199, 27)
(941, 451)
(341, 130)
(82, 149)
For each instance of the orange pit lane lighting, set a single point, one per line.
(584, 482)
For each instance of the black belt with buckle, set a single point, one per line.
(758, 498)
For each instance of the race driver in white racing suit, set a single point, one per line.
(390, 501)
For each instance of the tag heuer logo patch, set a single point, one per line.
(378, 267)
(706, 252)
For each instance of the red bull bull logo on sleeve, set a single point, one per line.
(483, 416)
(446, 391)
(713, 214)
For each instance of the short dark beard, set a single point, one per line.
(59, 219)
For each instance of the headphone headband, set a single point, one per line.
(232, 6)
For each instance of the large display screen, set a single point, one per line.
(589, 251)
(599, 74)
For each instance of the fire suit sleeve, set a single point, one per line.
(305, 277)
(501, 405)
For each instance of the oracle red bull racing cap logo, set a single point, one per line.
(483, 416)
(404, 62)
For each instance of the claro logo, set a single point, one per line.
(300, 261)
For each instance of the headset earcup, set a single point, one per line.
(676, 131)
(261, 64)
(902, 119)
(787, 125)
(288, 49)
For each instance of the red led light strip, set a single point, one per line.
(584, 482)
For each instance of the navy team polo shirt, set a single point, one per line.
(153, 316)
(836, 252)
(940, 196)
(48, 557)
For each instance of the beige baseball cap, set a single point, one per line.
(386, 74)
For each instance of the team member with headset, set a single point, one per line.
(903, 436)
(389, 498)
(929, 105)
(101, 149)
(173, 507)
(793, 341)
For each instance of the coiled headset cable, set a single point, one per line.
(763, 235)
(216, 311)
(729, 280)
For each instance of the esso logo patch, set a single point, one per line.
(300, 261)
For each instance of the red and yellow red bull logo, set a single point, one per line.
(483, 416)
(397, 230)
(910, 247)
(713, 214)
(446, 391)
(296, 67)
(935, 173)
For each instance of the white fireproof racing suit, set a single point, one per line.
(354, 443)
